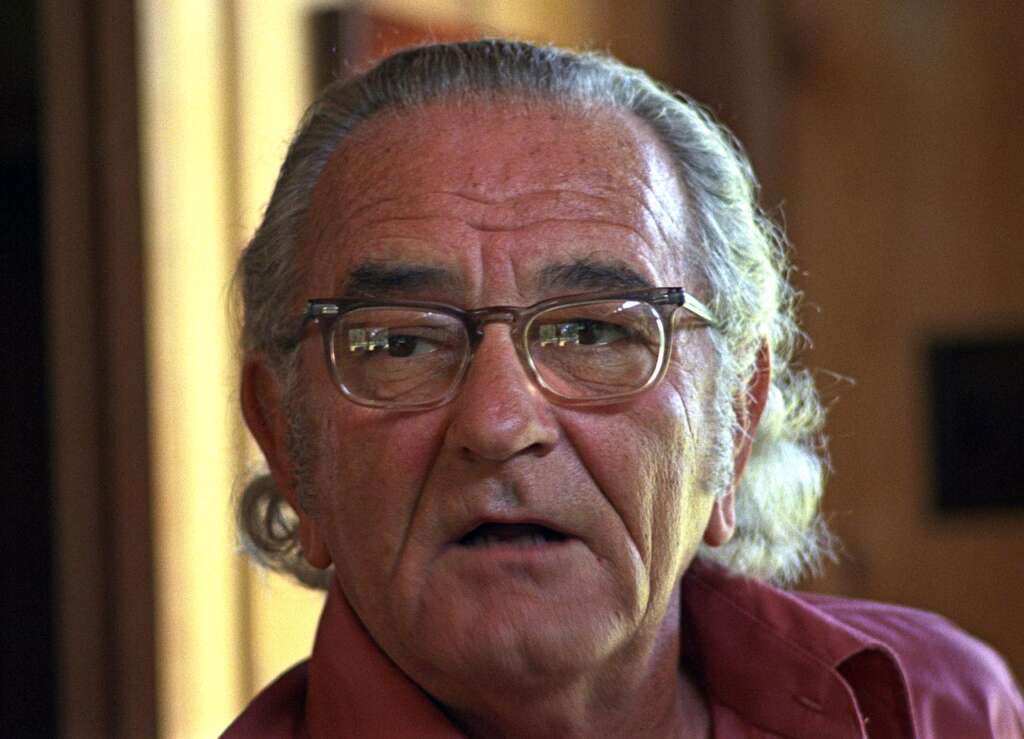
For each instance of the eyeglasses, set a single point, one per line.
(584, 349)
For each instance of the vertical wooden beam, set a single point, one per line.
(97, 376)
(126, 448)
(78, 503)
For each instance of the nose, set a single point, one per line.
(499, 412)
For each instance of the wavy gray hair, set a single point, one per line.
(779, 534)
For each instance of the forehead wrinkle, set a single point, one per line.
(519, 215)
(514, 201)
(475, 197)
(665, 211)
(606, 207)
(652, 220)
(658, 212)
(487, 228)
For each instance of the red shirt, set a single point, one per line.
(772, 664)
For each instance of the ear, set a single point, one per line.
(264, 413)
(748, 408)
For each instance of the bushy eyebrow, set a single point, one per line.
(383, 279)
(589, 274)
(380, 279)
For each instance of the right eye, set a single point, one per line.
(398, 341)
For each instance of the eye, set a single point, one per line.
(407, 345)
(398, 342)
(601, 332)
(582, 332)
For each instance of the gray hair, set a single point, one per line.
(779, 534)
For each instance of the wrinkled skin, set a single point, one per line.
(559, 638)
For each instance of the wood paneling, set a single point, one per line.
(897, 158)
(887, 138)
(97, 371)
(906, 208)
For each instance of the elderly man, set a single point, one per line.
(517, 351)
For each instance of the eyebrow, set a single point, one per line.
(383, 279)
(378, 279)
(588, 274)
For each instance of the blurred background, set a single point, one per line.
(139, 142)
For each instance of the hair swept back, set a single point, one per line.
(779, 533)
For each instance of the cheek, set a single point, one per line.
(676, 499)
(368, 483)
(647, 466)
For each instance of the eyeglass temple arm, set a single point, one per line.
(698, 309)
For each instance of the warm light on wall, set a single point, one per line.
(194, 435)
(222, 87)
(274, 88)
(569, 22)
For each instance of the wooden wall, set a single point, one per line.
(888, 137)
(96, 371)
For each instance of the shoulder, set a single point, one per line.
(278, 711)
(951, 676)
(923, 641)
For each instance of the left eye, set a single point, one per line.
(600, 332)
(582, 332)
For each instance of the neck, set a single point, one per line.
(646, 695)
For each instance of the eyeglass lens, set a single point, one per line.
(398, 355)
(595, 350)
(404, 356)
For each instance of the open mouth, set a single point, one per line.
(511, 534)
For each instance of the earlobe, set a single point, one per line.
(264, 413)
(722, 523)
(313, 547)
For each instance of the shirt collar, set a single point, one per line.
(784, 665)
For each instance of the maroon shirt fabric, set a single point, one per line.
(772, 664)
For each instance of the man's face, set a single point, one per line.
(479, 205)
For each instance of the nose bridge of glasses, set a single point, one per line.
(509, 315)
(482, 317)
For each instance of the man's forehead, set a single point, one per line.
(466, 145)
(457, 171)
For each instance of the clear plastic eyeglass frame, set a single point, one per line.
(665, 302)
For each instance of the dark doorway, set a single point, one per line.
(27, 669)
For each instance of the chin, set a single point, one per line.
(526, 646)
